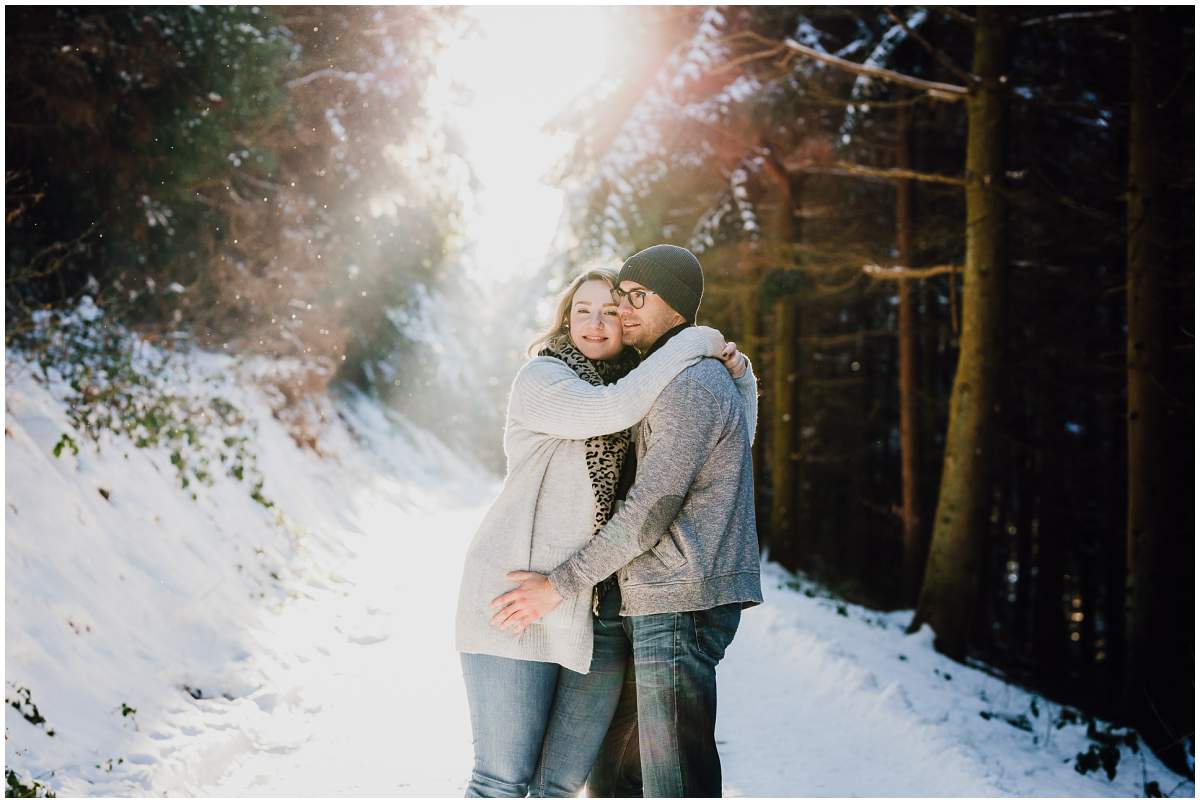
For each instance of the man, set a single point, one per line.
(683, 545)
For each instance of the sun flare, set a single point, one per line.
(499, 84)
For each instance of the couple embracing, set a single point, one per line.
(609, 576)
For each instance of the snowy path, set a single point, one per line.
(379, 703)
(367, 696)
(814, 702)
(180, 647)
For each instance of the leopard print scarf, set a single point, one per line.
(604, 453)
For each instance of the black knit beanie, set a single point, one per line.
(672, 272)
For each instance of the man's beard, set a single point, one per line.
(635, 339)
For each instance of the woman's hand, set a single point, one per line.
(531, 600)
(735, 361)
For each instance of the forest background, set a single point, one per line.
(957, 244)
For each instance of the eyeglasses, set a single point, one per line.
(637, 298)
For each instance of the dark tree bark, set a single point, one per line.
(783, 230)
(951, 574)
(1159, 615)
(910, 458)
(783, 423)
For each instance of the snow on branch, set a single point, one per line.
(741, 198)
(734, 201)
(637, 157)
(704, 50)
(882, 52)
(704, 234)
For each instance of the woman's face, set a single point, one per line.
(595, 327)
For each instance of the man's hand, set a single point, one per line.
(735, 361)
(531, 600)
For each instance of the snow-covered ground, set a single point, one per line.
(218, 647)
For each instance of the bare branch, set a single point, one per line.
(753, 36)
(1074, 16)
(899, 273)
(269, 186)
(740, 60)
(55, 255)
(947, 92)
(862, 104)
(814, 212)
(888, 173)
(957, 16)
(937, 53)
(327, 72)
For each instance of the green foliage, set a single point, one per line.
(120, 385)
(15, 787)
(68, 442)
(257, 495)
(125, 114)
(1105, 750)
(109, 764)
(1098, 756)
(225, 172)
(22, 702)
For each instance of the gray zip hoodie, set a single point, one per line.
(685, 539)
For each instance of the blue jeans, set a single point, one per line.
(662, 740)
(537, 727)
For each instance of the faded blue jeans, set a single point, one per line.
(537, 727)
(662, 741)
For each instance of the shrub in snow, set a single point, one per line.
(15, 787)
(114, 383)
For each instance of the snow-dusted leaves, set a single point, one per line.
(115, 384)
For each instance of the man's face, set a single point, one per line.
(640, 328)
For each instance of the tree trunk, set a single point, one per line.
(746, 312)
(910, 459)
(1159, 548)
(951, 573)
(783, 425)
(783, 231)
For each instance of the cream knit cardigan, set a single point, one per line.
(544, 512)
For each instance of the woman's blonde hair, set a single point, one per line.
(562, 310)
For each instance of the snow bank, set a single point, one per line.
(823, 698)
(138, 617)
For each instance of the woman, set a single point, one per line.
(563, 469)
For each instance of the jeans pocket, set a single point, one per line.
(715, 628)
